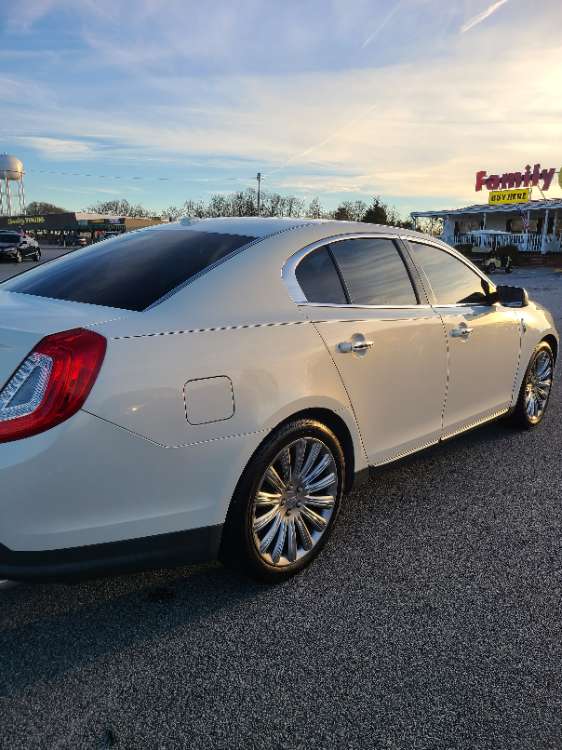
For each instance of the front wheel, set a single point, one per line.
(37, 257)
(286, 502)
(535, 389)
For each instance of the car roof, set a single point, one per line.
(262, 227)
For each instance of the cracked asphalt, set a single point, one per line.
(431, 620)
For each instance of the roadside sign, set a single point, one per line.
(516, 195)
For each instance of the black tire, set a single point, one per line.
(37, 257)
(520, 417)
(238, 547)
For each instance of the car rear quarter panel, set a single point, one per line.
(235, 321)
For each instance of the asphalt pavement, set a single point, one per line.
(48, 252)
(431, 621)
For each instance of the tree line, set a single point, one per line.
(245, 203)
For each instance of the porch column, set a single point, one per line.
(543, 233)
(555, 227)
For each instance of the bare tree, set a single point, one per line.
(314, 210)
(121, 207)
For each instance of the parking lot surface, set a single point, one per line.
(48, 252)
(431, 620)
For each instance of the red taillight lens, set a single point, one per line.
(51, 384)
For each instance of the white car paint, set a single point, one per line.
(133, 464)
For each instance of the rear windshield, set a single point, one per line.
(9, 237)
(132, 271)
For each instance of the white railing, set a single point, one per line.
(526, 243)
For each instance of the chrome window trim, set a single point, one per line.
(365, 307)
(288, 271)
(464, 304)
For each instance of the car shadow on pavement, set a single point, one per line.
(49, 630)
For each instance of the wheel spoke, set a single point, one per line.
(321, 484)
(291, 540)
(315, 472)
(262, 521)
(304, 533)
(270, 536)
(279, 542)
(268, 498)
(533, 405)
(543, 392)
(316, 520)
(542, 365)
(274, 479)
(310, 459)
(320, 501)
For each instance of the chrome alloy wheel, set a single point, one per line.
(538, 385)
(295, 501)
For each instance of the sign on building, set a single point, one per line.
(522, 195)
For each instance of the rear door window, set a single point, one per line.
(374, 272)
(132, 271)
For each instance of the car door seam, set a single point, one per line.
(351, 406)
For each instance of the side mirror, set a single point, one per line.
(512, 296)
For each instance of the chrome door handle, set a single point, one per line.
(360, 346)
(462, 332)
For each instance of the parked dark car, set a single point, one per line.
(16, 247)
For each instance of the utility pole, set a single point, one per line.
(258, 178)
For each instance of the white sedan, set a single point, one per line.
(213, 389)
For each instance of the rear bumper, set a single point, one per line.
(96, 560)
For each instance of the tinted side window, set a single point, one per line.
(318, 278)
(132, 271)
(374, 272)
(452, 281)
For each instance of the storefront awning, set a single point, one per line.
(487, 209)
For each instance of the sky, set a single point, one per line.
(159, 101)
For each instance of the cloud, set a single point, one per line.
(59, 148)
(208, 110)
(475, 20)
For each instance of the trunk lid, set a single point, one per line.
(26, 319)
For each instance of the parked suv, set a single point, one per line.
(16, 246)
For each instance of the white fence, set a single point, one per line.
(526, 243)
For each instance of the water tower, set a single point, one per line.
(11, 170)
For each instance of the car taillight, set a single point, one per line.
(51, 384)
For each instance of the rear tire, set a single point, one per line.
(535, 390)
(276, 528)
